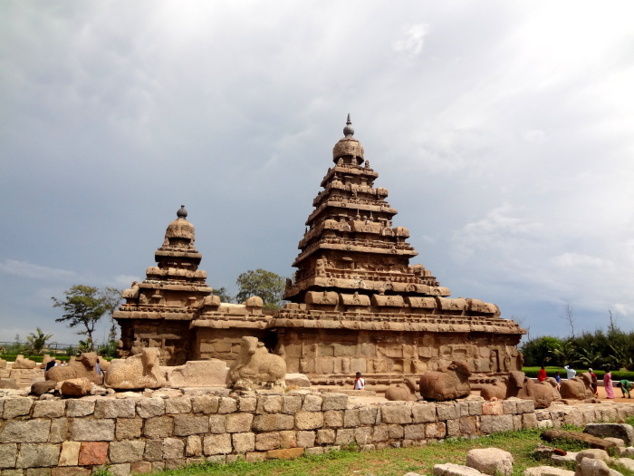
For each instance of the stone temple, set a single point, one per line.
(356, 304)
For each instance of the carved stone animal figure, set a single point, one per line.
(578, 388)
(516, 384)
(84, 366)
(446, 384)
(555, 386)
(256, 367)
(498, 390)
(404, 392)
(528, 389)
(138, 371)
(22, 363)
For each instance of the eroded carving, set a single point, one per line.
(138, 371)
(256, 367)
(447, 383)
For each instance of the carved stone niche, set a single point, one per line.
(387, 301)
(422, 302)
(327, 298)
(355, 299)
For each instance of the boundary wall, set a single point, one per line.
(138, 434)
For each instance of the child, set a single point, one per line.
(359, 382)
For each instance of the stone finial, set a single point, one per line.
(182, 213)
(348, 131)
(348, 147)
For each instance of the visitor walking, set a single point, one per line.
(359, 382)
(595, 383)
(570, 373)
(541, 375)
(625, 386)
(607, 384)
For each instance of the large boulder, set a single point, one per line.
(493, 461)
(76, 387)
(40, 388)
(614, 430)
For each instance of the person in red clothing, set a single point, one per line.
(541, 375)
(595, 382)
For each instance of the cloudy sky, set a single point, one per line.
(503, 130)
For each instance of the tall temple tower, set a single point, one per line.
(350, 244)
(356, 303)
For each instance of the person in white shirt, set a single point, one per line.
(570, 373)
(359, 382)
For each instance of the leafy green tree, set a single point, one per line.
(539, 351)
(36, 341)
(84, 306)
(265, 284)
(566, 353)
(223, 294)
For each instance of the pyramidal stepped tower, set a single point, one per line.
(356, 303)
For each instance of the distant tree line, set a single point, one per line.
(612, 349)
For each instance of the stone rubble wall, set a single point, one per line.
(137, 434)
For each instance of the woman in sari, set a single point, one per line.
(607, 384)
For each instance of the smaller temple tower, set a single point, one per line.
(158, 311)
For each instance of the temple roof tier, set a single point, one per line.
(335, 173)
(398, 249)
(358, 206)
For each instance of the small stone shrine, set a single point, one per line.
(356, 304)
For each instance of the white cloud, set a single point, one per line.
(411, 40)
(24, 269)
(502, 130)
(576, 260)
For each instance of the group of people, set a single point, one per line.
(625, 385)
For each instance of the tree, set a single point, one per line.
(566, 353)
(569, 315)
(223, 294)
(85, 306)
(265, 284)
(37, 342)
(112, 299)
(540, 351)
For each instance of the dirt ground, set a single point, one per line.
(617, 394)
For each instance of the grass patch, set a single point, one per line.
(388, 462)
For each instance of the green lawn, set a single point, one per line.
(388, 462)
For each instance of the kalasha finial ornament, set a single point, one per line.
(182, 213)
(348, 131)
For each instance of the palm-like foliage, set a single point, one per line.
(566, 352)
(36, 341)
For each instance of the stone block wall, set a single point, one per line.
(136, 434)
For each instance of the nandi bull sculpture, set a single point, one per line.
(255, 367)
(447, 383)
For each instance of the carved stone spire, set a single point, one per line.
(348, 150)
